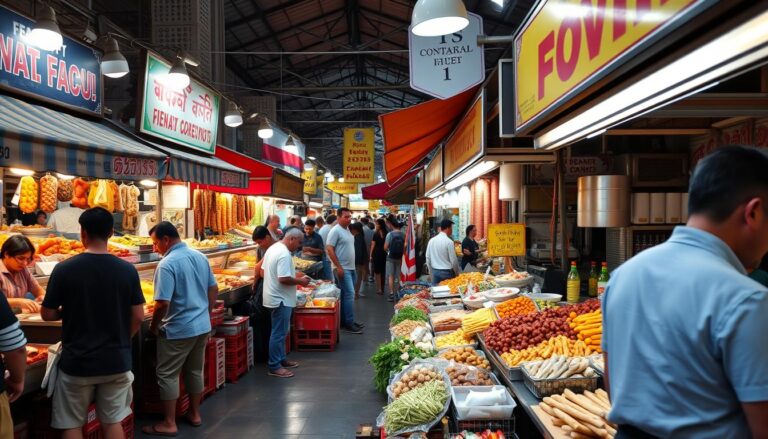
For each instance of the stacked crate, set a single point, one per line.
(235, 335)
(213, 374)
(316, 329)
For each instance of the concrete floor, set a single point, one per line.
(331, 394)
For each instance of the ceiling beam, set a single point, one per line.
(291, 29)
(259, 14)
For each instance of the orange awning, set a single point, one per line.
(410, 134)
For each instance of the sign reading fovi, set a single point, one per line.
(69, 76)
(466, 143)
(358, 155)
(189, 117)
(506, 240)
(568, 44)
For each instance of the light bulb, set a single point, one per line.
(113, 63)
(433, 18)
(233, 118)
(46, 35)
(177, 77)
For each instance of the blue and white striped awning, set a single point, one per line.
(40, 139)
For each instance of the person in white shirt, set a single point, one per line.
(340, 247)
(441, 254)
(280, 282)
(66, 220)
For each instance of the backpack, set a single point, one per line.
(396, 246)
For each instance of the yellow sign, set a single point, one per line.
(358, 155)
(374, 204)
(506, 240)
(343, 188)
(466, 143)
(567, 42)
(433, 175)
(310, 181)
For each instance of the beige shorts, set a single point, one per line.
(173, 356)
(112, 393)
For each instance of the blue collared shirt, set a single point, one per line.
(685, 332)
(182, 278)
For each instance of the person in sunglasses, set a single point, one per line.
(18, 285)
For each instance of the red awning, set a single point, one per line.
(383, 191)
(260, 178)
(410, 134)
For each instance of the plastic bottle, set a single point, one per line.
(602, 281)
(593, 275)
(573, 286)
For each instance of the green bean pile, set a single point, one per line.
(421, 405)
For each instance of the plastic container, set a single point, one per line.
(466, 412)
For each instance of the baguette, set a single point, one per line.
(564, 405)
(571, 422)
(597, 400)
(584, 403)
(577, 435)
(603, 395)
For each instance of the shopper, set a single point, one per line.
(368, 235)
(312, 247)
(98, 298)
(13, 366)
(394, 246)
(280, 282)
(273, 225)
(330, 221)
(340, 247)
(361, 258)
(700, 367)
(42, 218)
(469, 249)
(18, 285)
(319, 223)
(185, 293)
(293, 223)
(379, 256)
(65, 220)
(441, 254)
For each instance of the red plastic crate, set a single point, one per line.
(233, 327)
(316, 319)
(212, 365)
(236, 343)
(315, 340)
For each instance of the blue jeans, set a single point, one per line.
(441, 275)
(327, 269)
(281, 323)
(347, 287)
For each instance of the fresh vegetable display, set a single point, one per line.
(581, 415)
(518, 306)
(558, 367)
(391, 357)
(415, 378)
(588, 327)
(28, 194)
(464, 375)
(408, 313)
(559, 345)
(478, 321)
(455, 338)
(466, 355)
(419, 407)
(484, 285)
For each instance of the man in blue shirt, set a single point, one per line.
(684, 327)
(185, 293)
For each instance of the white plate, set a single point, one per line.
(501, 294)
(476, 304)
(547, 297)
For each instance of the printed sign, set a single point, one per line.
(327, 197)
(188, 117)
(433, 175)
(567, 43)
(287, 186)
(310, 181)
(133, 168)
(506, 240)
(343, 188)
(466, 143)
(447, 65)
(69, 76)
(374, 205)
(358, 155)
(581, 166)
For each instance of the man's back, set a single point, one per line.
(96, 293)
(683, 327)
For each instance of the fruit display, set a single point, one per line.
(463, 375)
(559, 367)
(462, 280)
(80, 193)
(64, 190)
(59, 245)
(28, 194)
(447, 320)
(455, 338)
(518, 306)
(466, 355)
(478, 321)
(560, 345)
(48, 188)
(129, 199)
(588, 327)
(583, 415)
(409, 313)
(302, 264)
(391, 357)
(414, 378)
(420, 407)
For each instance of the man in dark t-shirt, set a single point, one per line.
(99, 300)
(312, 247)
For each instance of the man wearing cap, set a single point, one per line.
(441, 254)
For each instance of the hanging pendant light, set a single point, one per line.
(113, 63)
(434, 18)
(233, 118)
(265, 129)
(177, 77)
(46, 35)
(290, 141)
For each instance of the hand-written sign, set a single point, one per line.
(506, 240)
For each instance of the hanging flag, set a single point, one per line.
(408, 264)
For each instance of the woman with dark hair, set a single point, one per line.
(361, 257)
(17, 283)
(379, 255)
(469, 248)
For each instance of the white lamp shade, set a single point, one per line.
(233, 118)
(432, 18)
(46, 35)
(177, 77)
(113, 64)
(265, 129)
(510, 181)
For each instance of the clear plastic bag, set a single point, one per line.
(327, 291)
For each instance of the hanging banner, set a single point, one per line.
(310, 181)
(506, 240)
(358, 155)
(188, 117)
(343, 188)
(320, 186)
(70, 76)
(466, 143)
(277, 152)
(566, 46)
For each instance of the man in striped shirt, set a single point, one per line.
(12, 348)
